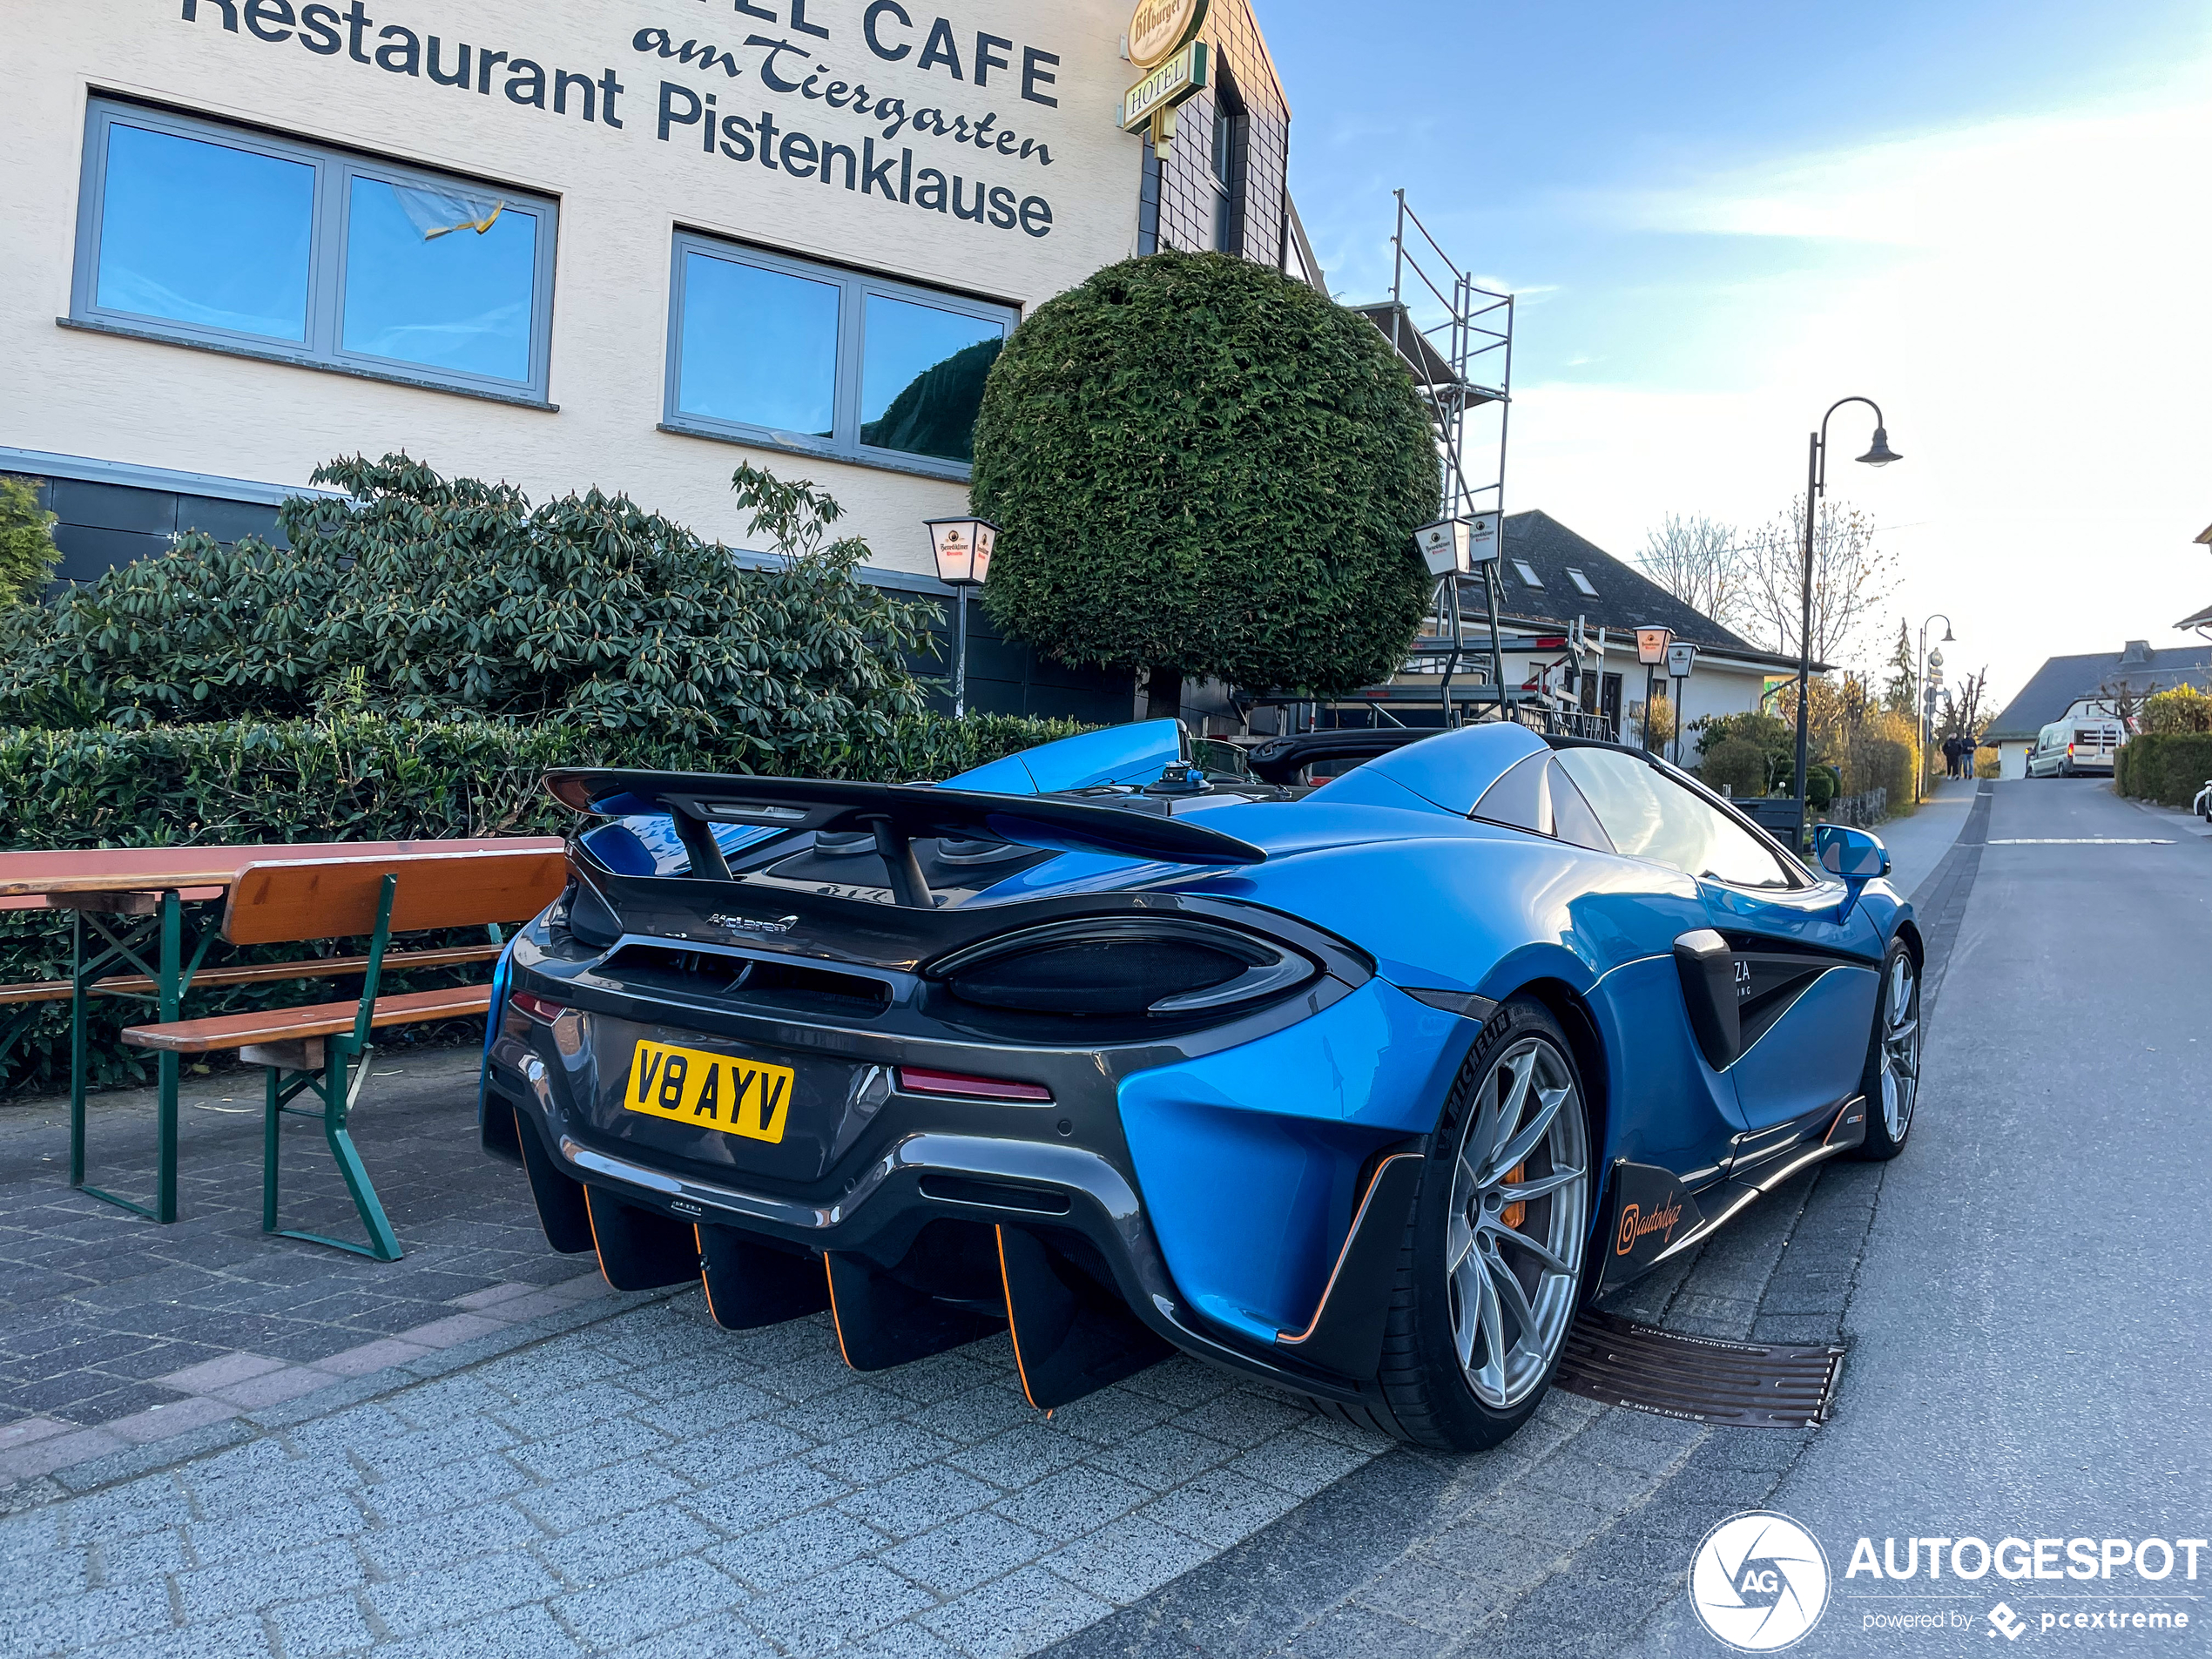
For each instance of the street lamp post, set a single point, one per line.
(1921, 696)
(1879, 453)
(962, 547)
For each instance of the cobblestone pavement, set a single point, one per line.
(114, 1330)
(649, 1484)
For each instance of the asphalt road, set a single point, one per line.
(2028, 1328)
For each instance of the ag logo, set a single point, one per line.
(1759, 1582)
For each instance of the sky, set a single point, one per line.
(1718, 219)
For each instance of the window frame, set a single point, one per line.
(854, 288)
(335, 169)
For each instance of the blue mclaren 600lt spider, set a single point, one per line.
(1362, 1087)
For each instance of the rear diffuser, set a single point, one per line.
(1069, 1341)
(1699, 1379)
(640, 1249)
(750, 1285)
(881, 1323)
(560, 1198)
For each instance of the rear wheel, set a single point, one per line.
(1490, 1275)
(1892, 1079)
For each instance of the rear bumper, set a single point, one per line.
(897, 1164)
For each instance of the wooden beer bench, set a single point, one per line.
(321, 1050)
(134, 908)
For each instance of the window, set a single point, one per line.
(1581, 583)
(224, 238)
(781, 351)
(1528, 573)
(1649, 815)
(1536, 794)
(1226, 164)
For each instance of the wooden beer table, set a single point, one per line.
(142, 892)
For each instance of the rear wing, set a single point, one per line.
(897, 814)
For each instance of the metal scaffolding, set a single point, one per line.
(1461, 363)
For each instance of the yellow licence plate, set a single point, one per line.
(710, 1090)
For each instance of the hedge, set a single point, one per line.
(2167, 768)
(1203, 468)
(352, 776)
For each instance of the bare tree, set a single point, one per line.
(1702, 562)
(1963, 714)
(1851, 578)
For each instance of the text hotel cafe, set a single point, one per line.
(577, 243)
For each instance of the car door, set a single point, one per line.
(1805, 981)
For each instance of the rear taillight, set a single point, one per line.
(916, 1080)
(537, 1007)
(1167, 966)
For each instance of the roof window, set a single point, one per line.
(1581, 583)
(1528, 573)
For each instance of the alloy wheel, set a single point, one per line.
(1901, 1046)
(1515, 1234)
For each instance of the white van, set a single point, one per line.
(2072, 748)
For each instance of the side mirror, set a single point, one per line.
(1851, 854)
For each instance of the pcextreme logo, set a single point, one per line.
(1759, 1582)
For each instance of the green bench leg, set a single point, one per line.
(333, 1089)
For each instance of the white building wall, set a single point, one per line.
(621, 192)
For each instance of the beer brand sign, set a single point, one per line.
(1159, 28)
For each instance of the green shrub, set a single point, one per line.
(1769, 735)
(2167, 767)
(1880, 763)
(1200, 466)
(2177, 712)
(1739, 763)
(27, 551)
(350, 777)
(421, 597)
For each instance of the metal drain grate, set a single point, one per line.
(1700, 1379)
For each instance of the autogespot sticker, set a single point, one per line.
(1759, 1582)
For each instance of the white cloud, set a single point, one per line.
(2027, 300)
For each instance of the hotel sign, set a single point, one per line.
(1179, 77)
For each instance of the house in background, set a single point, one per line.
(1550, 577)
(2199, 622)
(2096, 685)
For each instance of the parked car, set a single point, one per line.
(1362, 1088)
(2074, 748)
(2203, 804)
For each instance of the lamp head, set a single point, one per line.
(1879, 452)
(1947, 639)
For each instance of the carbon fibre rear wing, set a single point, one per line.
(897, 814)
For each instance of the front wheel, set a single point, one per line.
(1891, 1081)
(1490, 1276)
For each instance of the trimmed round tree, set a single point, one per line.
(1200, 466)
